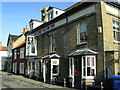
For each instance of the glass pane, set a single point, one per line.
(84, 72)
(88, 71)
(118, 36)
(55, 69)
(113, 22)
(84, 61)
(88, 61)
(33, 49)
(92, 61)
(114, 35)
(81, 37)
(92, 72)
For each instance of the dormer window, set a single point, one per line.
(53, 12)
(31, 26)
(56, 12)
(51, 15)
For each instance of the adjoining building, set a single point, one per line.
(3, 60)
(18, 53)
(11, 39)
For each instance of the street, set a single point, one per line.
(11, 81)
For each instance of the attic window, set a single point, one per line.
(56, 12)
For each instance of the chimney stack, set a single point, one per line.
(25, 29)
(43, 13)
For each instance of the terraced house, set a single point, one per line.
(18, 53)
(75, 45)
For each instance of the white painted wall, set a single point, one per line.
(112, 10)
(2, 54)
(54, 13)
(9, 52)
(35, 24)
(28, 48)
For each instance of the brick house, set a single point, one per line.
(79, 44)
(18, 53)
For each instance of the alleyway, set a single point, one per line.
(17, 81)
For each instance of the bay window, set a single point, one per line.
(82, 32)
(88, 66)
(55, 67)
(116, 30)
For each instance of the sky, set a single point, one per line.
(16, 15)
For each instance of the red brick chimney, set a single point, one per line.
(25, 29)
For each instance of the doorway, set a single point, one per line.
(48, 71)
(78, 72)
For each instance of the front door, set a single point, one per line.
(48, 70)
(78, 70)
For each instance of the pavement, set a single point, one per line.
(34, 82)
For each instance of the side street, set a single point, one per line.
(17, 81)
(74, 48)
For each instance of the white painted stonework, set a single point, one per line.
(3, 54)
(112, 10)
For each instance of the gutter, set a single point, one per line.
(67, 32)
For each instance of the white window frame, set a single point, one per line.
(79, 31)
(37, 67)
(89, 77)
(13, 67)
(71, 67)
(116, 31)
(21, 71)
(52, 64)
(22, 52)
(15, 54)
(51, 44)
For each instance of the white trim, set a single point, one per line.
(21, 69)
(88, 77)
(13, 67)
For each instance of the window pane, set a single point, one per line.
(52, 15)
(84, 72)
(55, 69)
(114, 35)
(88, 71)
(84, 61)
(92, 61)
(33, 49)
(118, 36)
(92, 72)
(88, 61)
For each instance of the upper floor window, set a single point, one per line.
(31, 26)
(82, 32)
(51, 15)
(22, 52)
(33, 48)
(48, 16)
(15, 54)
(53, 43)
(116, 30)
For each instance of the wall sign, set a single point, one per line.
(30, 40)
(45, 29)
